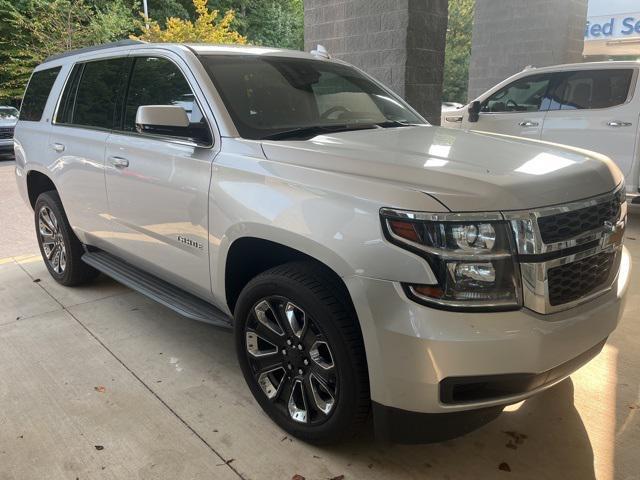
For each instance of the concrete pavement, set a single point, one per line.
(101, 366)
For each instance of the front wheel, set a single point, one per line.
(301, 352)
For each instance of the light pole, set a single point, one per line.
(146, 13)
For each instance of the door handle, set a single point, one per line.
(528, 123)
(618, 123)
(58, 147)
(119, 162)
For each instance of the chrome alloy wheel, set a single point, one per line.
(52, 240)
(291, 360)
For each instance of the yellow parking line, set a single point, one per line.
(20, 259)
(27, 258)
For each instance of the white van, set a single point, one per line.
(588, 105)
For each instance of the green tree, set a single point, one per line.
(34, 29)
(458, 50)
(206, 28)
(271, 23)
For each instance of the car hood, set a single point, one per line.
(465, 171)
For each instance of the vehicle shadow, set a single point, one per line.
(544, 438)
(626, 344)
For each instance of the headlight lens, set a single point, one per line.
(471, 255)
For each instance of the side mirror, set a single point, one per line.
(172, 121)
(474, 111)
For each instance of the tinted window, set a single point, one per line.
(97, 93)
(67, 102)
(35, 98)
(592, 89)
(157, 81)
(523, 95)
(268, 95)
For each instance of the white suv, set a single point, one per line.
(367, 261)
(595, 106)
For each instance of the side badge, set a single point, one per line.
(191, 243)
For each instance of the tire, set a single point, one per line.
(60, 248)
(317, 387)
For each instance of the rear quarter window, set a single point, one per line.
(593, 89)
(37, 93)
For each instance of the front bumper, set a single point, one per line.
(412, 350)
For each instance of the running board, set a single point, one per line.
(176, 299)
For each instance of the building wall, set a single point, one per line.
(508, 35)
(399, 42)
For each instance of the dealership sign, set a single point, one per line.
(613, 28)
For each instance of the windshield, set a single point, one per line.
(8, 113)
(268, 95)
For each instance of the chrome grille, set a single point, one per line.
(575, 280)
(569, 253)
(6, 132)
(567, 225)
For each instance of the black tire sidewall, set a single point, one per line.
(340, 421)
(71, 243)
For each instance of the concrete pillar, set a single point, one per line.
(508, 35)
(399, 42)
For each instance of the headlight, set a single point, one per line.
(471, 255)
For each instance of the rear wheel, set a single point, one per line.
(301, 352)
(60, 248)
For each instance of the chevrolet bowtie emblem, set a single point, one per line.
(609, 226)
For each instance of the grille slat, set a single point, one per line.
(6, 132)
(575, 280)
(567, 225)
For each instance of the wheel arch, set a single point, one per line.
(37, 183)
(248, 256)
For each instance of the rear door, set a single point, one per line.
(158, 186)
(77, 139)
(516, 109)
(592, 109)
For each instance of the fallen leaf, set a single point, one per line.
(297, 477)
(504, 466)
(339, 477)
(36, 280)
(100, 389)
(99, 447)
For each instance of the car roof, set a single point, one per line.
(583, 66)
(197, 48)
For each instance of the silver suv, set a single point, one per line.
(367, 261)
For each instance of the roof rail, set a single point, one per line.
(103, 46)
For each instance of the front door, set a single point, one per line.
(517, 109)
(596, 111)
(158, 187)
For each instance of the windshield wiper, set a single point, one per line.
(305, 133)
(396, 123)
